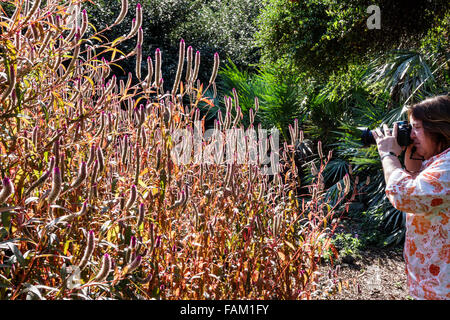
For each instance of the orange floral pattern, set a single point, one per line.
(426, 201)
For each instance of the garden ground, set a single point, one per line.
(371, 273)
(377, 274)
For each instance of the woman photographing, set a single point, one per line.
(422, 190)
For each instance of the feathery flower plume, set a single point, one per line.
(346, 183)
(319, 149)
(82, 211)
(138, 22)
(125, 149)
(7, 190)
(256, 104)
(196, 66)
(313, 169)
(61, 165)
(141, 215)
(158, 241)
(90, 246)
(44, 45)
(180, 67)
(142, 115)
(36, 5)
(236, 97)
(132, 198)
(56, 186)
(123, 12)
(182, 197)
(188, 64)
(144, 138)
(35, 32)
(84, 22)
(17, 41)
(138, 60)
(252, 116)
(157, 67)
(133, 265)
(94, 191)
(158, 158)
(140, 36)
(104, 269)
(43, 178)
(56, 145)
(292, 133)
(91, 155)
(100, 158)
(111, 85)
(138, 164)
(149, 77)
(215, 68)
(76, 52)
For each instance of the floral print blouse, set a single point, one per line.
(426, 201)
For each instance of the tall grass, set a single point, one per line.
(93, 206)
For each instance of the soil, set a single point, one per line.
(377, 274)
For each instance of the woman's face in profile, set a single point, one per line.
(425, 145)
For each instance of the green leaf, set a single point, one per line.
(32, 289)
(6, 219)
(17, 253)
(44, 109)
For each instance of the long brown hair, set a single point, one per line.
(435, 116)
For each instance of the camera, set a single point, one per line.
(403, 135)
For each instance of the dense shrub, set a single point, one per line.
(226, 27)
(323, 36)
(94, 206)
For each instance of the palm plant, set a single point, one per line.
(391, 81)
(279, 96)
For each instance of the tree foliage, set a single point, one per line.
(320, 35)
(226, 27)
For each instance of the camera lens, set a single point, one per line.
(367, 138)
(403, 135)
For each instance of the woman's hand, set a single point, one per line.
(387, 142)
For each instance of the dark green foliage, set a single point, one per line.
(226, 27)
(281, 97)
(321, 36)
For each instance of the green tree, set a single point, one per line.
(226, 27)
(322, 35)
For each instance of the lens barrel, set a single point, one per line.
(367, 138)
(403, 135)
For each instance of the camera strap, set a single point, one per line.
(401, 157)
(413, 150)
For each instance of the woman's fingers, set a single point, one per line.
(378, 133)
(395, 130)
(387, 131)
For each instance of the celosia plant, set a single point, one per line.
(93, 204)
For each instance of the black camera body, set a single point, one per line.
(403, 135)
